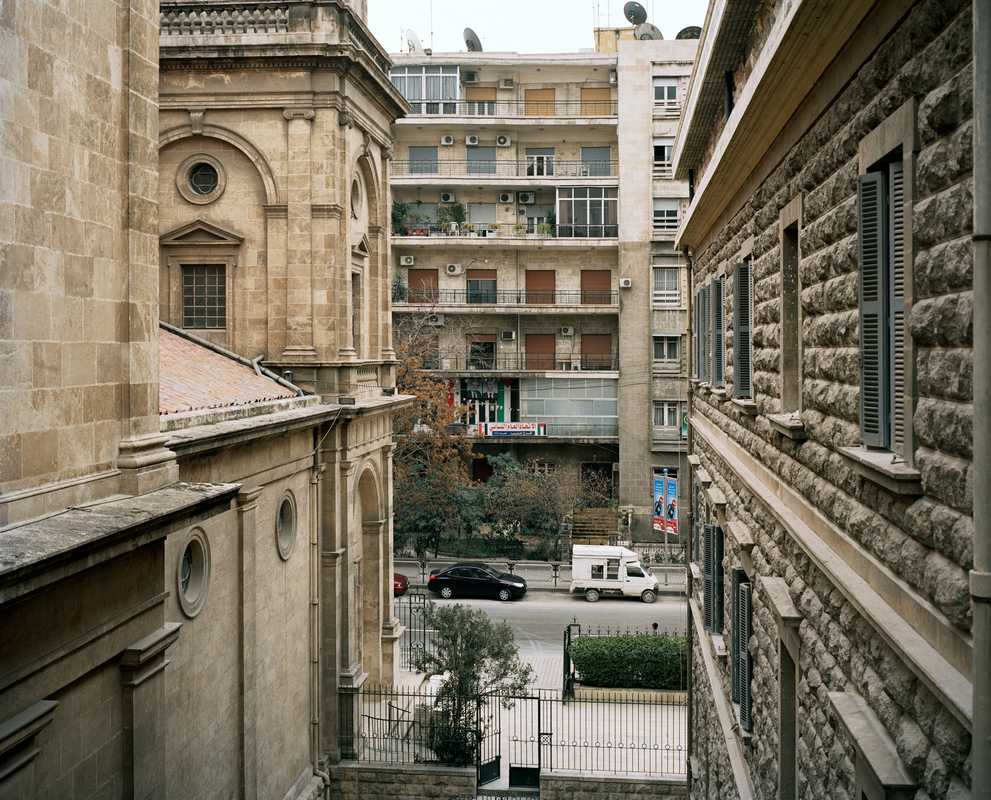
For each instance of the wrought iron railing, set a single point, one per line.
(513, 108)
(505, 168)
(505, 297)
(522, 362)
(492, 230)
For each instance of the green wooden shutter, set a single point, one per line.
(717, 580)
(706, 339)
(743, 620)
(742, 324)
(695, 520)
(707, 576)
(696, 339)
(735, 638)
(874, 377)
(898, 332)
(718, 354)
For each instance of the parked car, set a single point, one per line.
(605, 571)
(400, 584)
(475, 580)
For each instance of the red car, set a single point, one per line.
(400, 583)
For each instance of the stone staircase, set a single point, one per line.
(594, 525)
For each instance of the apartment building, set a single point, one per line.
(839, 614)
(511, 244)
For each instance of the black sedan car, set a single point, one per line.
(475, 580)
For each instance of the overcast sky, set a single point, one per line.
(526, 26)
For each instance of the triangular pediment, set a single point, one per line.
(201, 232)
(361, 247)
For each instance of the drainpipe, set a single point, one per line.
(980, 575)
(689, 588)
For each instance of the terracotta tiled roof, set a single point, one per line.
(193, 377)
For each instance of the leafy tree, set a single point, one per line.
(477, 656)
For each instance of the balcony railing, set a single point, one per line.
(508, 231)
(522, 362)
(513, 108)
(539, 167)
(505, 297)
(663, 170)
(667, 108)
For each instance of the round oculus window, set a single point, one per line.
(193, 574)
(285, 527)
(203, 178)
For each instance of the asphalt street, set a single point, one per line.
(538, 621)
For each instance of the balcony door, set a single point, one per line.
(482, 351)
(597, 351)
(540, 287)
(595, 162)
(481, 285)
(596, 101)
(540, 351)
(539, 102)
(422, 286)
(596, 286)
(481, 161)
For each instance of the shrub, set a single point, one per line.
(631, 661)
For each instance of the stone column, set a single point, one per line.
(143, 677)
(247, 508)
(391, 628)
(299, 243)
(385, 258)
(372, 578)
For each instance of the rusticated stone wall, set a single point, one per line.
(923, 541)
(566, 785)
(353, 781)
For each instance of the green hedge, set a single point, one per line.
(631, 661)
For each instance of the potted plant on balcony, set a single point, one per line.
(518, 230)
(451, 217)
(400, 217)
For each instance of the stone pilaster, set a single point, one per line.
(299, 242)
(247, 510)
(143, 678)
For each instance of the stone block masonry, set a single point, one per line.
(354, 781)
(567, 785)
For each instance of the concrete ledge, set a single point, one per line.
(640, 695)
(352, 780)
(875, 749)
(880, 467)
(788, 425)
(569, 785)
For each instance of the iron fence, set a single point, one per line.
(505, 168)
(505, 230)
(412, 611)
(516, 736)
(513, 108)
(504, 297)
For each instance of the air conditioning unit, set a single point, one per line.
(502, 140)
(506, 83)
(626, 283)
(453, 269)
(612, 77)
(471, 140)
(447, 197)
(567, 330)
(436, 320)
(407, 261)
(469, 76)
(526, 198)
(505, 197)
(508, 336)
(447, 140)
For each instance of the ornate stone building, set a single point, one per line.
(838, 644)
(195, 553)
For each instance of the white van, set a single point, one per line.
(601, 570)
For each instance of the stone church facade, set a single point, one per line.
(835, 629)
(195, 468)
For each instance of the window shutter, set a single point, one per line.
(695, 520)
(707, 576)
(706, 344)
(735, 640)
(746, 719)
(718, 352)
(873, 349)
(717, 580)
(899, 330)
(742, 313)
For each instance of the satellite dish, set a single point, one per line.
(635, 13)
(647, 31)
(472, 41)
(691, 32)
(413, 42)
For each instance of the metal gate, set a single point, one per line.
(489, 721)
(530, 739)
(571, 631)
(411, 611)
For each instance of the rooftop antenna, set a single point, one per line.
(472, 41)
(413, 43)
(635, 13)
(647, 31)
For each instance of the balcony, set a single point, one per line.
(534, 171)
(663, 171)
(667, 108)
(523, 362)
(503, 234)
(501, 301)
(514, 109)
